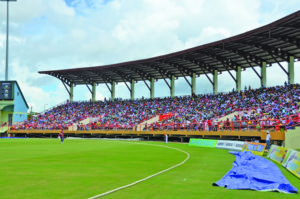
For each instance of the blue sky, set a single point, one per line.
(88, 3)
(62, 34)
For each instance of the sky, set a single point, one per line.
(63, 34)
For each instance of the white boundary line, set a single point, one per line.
(144, 179)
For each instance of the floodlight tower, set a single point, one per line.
(7, 35)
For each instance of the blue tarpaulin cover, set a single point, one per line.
(254, 172)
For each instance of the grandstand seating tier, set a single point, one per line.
(271, 109)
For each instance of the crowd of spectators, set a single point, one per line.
(256, 107)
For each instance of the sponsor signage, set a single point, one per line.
(230, 145)
(289, 158)
(292, 162)
(203, 142)
(255, 148)
(277, 153)
(6, 91)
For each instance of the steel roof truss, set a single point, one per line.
(272, 43)
(177, 67)
(66, 87)
(169, 75)
(181, 72)
(268, 49)
(291, 27)
(124, 77)
(221, 59)
(107, 79)
(229, 72)
(141, 73)
(280, 65)
(62, 78)
(188, 71)
(285, 39)
(207, 66)
(202, 65)
(245, 55)
(163, 72)
(108, 87)
(167, 83)
(207, 77)
(187, 80)
(232, 76)
(127, 86)
(253, 69)
(89, 88)
(86, 80)
(147, 85)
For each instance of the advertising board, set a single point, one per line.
(230, 145)
(277, 153)
(255, 148)
(292, 162)
(203, 142)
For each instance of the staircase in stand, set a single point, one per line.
(231, 115)
(142, 125)
(3, 129)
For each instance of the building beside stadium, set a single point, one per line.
(13, 105)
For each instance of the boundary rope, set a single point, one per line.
(144, 179)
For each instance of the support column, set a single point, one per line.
(215, 81)
(238, 79)
(71, 92)
(132, 90)
(291, 70)
(152, 88)
(172, 89)
(94, 92)
(193, 83)
(263, 74)
(113, 90)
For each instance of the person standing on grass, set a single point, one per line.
(268, 138)
(166, 138)
(62, 137)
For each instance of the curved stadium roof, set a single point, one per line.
(272, 43)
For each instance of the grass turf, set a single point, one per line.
(44, 168)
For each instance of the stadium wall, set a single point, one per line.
(292, 138)
(277, 136)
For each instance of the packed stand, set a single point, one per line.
(260, 107)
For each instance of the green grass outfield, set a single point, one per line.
(44, 168)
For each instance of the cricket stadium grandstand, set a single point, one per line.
(238, 115)
(104, 152)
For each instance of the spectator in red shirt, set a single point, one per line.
(62, 137)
